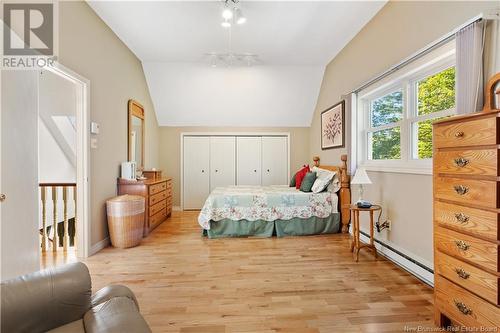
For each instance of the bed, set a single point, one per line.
(264, 211)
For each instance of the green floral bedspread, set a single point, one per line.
(266, 203)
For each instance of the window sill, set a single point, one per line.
(400, 168)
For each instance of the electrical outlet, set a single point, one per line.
(389, 224)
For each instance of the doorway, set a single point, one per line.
(63, 165)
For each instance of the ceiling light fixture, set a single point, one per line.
(232, 14)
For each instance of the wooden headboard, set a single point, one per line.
(344, 192)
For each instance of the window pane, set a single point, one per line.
(437, 92)
(387, 109)
(386, 144)
(424, 137)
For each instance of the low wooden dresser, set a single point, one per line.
(466, 220)
(158, 194)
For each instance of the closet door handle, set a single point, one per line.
(202, 171)
(254, 170)
(267, 170)
(216, 170)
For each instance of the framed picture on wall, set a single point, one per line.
(333, 126)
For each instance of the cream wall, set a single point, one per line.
(170, 148)
(89, 47)
(397, 31)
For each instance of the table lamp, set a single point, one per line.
(361, 178)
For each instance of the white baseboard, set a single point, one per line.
(99, 246)
(176, 208)
(406, 264)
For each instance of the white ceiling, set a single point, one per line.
(171, 37)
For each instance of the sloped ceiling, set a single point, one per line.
(294, 40)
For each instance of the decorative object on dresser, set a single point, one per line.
(158, 195)
(332, 126)
(467, 219)
(152, 174)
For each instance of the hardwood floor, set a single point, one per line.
(186, 283)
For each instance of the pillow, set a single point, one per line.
(330, 178)
(300, 175)
(322, 182)
(308, 182)
(292, 181)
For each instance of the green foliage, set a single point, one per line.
(435, 93)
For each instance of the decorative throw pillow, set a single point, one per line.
(324, 180)
(300, 175)
(292, 181)
(308, 182)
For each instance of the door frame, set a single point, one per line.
(235, 134)
(82, 84)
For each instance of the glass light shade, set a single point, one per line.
(361, 177)
(227, 14)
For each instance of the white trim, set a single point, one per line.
(236, 134)
(402, 262)
(99, 246)
(83, 246)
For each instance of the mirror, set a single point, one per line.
(136, 133)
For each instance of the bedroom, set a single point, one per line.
(176, 61)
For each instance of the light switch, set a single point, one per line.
(94, 128)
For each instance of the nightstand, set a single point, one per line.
(356, 244)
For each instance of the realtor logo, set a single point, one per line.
(29, 29)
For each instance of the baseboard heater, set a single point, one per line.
(412, 266)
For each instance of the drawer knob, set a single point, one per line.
(461, 273)
(462, 245)
(459, 134)
(462, 308)
(460, 162)
(462, 218)
(461, 189)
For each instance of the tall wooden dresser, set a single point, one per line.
(158, 194)
(466, 220)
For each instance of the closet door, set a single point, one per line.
(222, 161)
(274, 160)
(196, 171)
(248, 160)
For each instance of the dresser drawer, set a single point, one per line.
(153, 189)
(476, 132)
(470, 191)
(157, 207)
(461, 305)
(157, 218)
(474, 279)
(169, 184)
(477, 251)
(155, 198)
(478, 222)
(467, 162)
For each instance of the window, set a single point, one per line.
(395, 117)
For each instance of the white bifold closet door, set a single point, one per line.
(196, 171)
(248, 160)
(274, 160)
(222, 161)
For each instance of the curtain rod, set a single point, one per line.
(443, 40)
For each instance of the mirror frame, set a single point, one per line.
(135, 109)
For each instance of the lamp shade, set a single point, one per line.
(361, 177)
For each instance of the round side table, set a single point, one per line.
(356, 245)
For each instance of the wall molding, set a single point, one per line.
(176, 208)
(99, 246)
(412, 266)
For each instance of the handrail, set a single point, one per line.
(57, 184)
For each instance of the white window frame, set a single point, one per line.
(406, 80)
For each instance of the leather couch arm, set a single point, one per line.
(47, 299)
(112, 291)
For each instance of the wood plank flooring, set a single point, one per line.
(189, 284)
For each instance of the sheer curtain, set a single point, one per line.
(469, 68)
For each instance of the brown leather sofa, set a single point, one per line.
(60, 300)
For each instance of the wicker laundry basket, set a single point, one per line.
(125, 220)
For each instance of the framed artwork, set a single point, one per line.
(333, 126)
